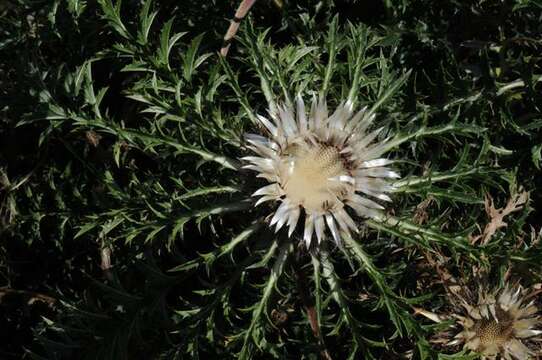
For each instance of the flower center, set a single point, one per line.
(492, 333)
(306, 176)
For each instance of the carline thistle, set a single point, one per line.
(321, 167)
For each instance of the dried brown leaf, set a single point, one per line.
(420, 214)
(496, 216)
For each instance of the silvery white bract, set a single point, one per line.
(321, 167)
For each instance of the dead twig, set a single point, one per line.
(105, 255)
(310, 309)
(32, 296)
(241, 12)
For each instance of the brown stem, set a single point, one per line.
(241, 12)
(105, 255)
(33, 296)
(310, 309)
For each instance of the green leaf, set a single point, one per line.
(84, 229)
(389, 91)
(146, 21)
(112, 15)
(167, 42)
(536, 155)
(254, 331)
(190, 62)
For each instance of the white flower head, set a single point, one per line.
(321, 167)
(501, 324)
